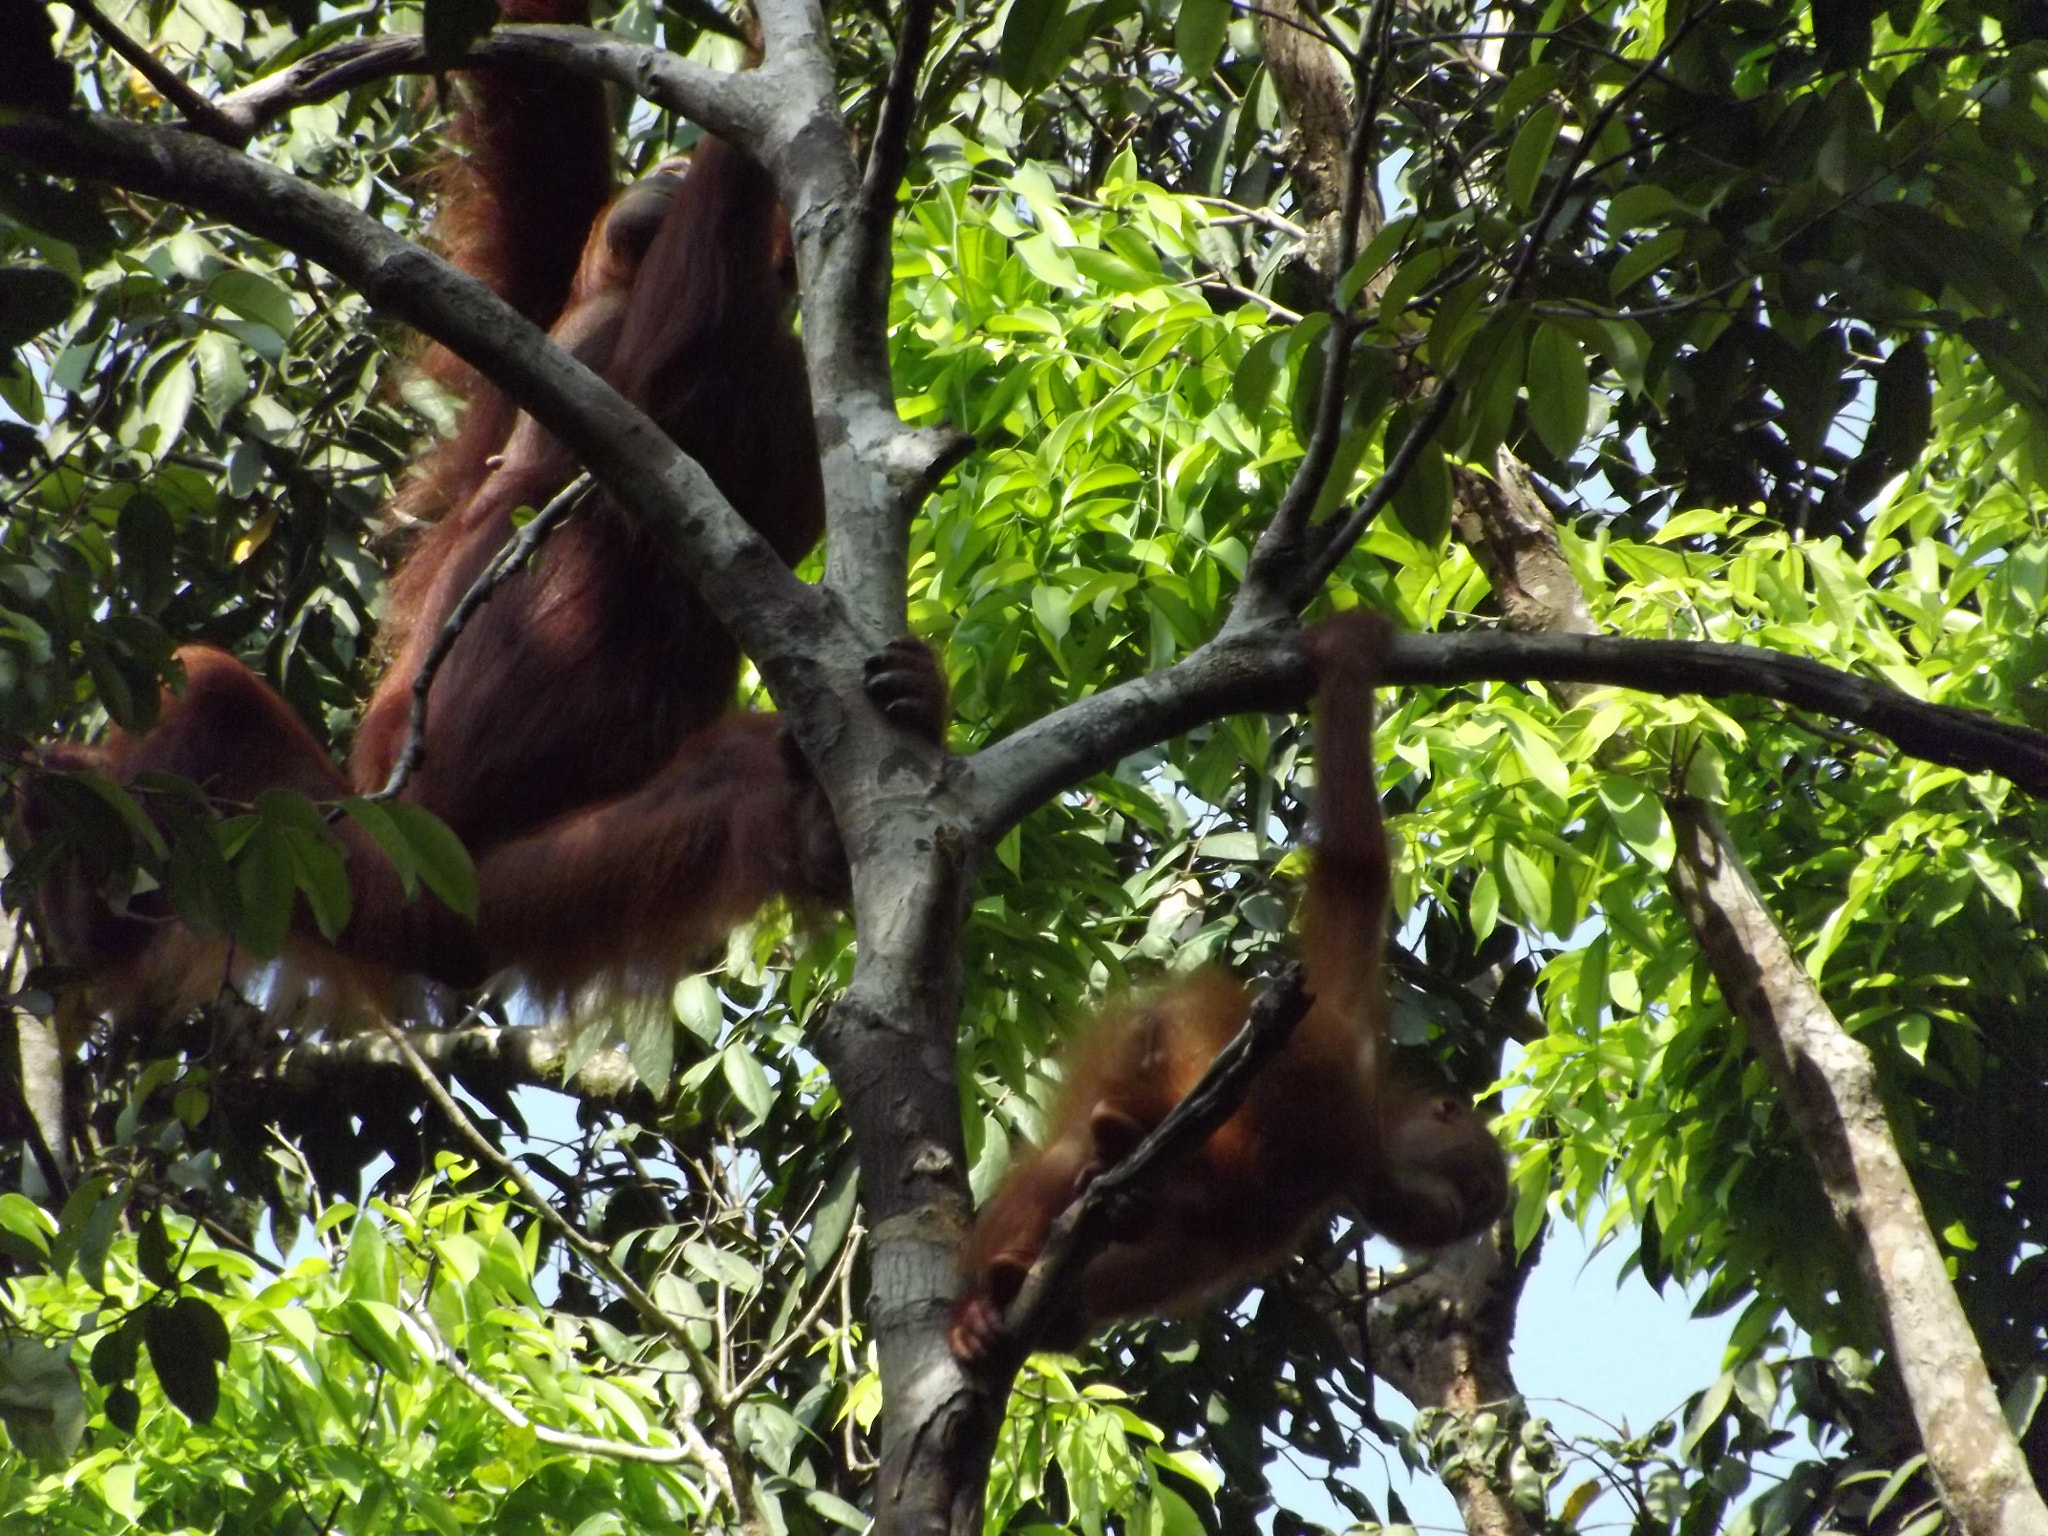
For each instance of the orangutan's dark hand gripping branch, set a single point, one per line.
(1328, 1119)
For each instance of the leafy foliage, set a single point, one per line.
(1746, 286)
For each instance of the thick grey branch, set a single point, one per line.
(726, 104)
(753, 594)
(1264, 669)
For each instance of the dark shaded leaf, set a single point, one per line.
(32, 299)
(188, 1343)
(41, 1402)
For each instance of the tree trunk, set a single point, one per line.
(1830, 1089)
(1826, 1078)
(1441, 1334)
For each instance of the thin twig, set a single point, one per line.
(1265, 216)
(504, 565)
(511, 1413)
(594, 1252)
(1084, 1228)
(1274, 309)
(166, 82)
(776, 1354)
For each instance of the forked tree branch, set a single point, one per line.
(202, 114)
(1271, 585)
(727, 104)
(1315, 571)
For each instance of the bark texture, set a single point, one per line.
(1316, 98)
(1830, 1089)
(1441, 1338)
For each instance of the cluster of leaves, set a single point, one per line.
(1916, 891)
(333, 1408)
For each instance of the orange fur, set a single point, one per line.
(581, 736)
(1327, 1119)
(533, 172)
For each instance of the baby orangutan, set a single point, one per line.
(1328, 1119)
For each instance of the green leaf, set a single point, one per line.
(1198, 34)
(133, 817)
(41, 1402)
(188, 1343)
(1997, 877)
(722, 1267)
(1756, 1385)
(256, 297)
(21, 1217)
(1377, 253)
(1048, 263)
(1527, 883)
(318, 869)
(438, 854)
(1422, 501)
(119, 1349)
(1644, 259)
(153, 1253)
(1529, 154)
(1524, 88)
(1903, 417)
(1640, 204)
(369, 1273)
(223, 380)
(374, 818)
(749, 1083)
(2023, 1399)
(649, 1030)
(1252, 384)
(1639, 820)
(266, 879)
(1707, 1413)
(699, 1008)
(373, 1328)
(170, 403)
(1580, 1499)
(1039, 38)
(1559, 391)
(832, 1220)
(1173, 1515)
(146, 541)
